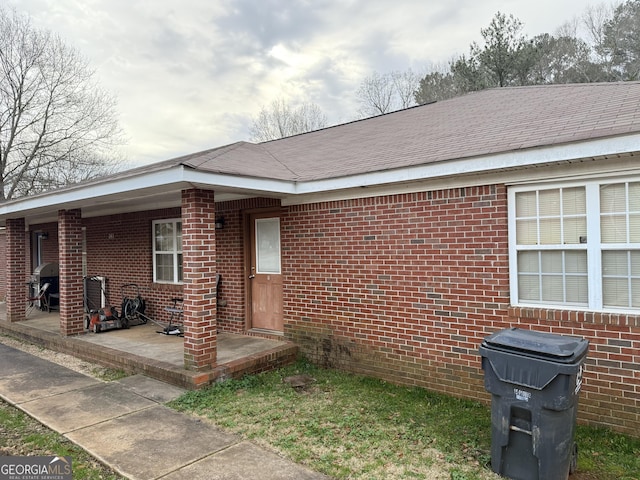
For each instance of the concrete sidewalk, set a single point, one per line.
(126, 426)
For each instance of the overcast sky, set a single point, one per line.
(190, 74)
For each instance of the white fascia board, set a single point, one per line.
(83, 193)
(178, 176)
(475, 165)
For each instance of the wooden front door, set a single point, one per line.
(265, 276)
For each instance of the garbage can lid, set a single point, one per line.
(558, 348)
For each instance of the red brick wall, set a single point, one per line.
(406, 287)
(3, 265)
(230, 243)
(400, 287)
(611, 392)
(119, 247)
(49, 246)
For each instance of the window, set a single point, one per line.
(84, 251)
(268, 245)
(576, 245)
(620, 236)
(167, 251)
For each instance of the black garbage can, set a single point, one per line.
(534, 379)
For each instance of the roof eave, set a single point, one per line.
(472, 165)
(159, 189)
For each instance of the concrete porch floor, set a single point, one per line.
(140, 349)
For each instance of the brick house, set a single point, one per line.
(389, 246)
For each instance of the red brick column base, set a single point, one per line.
(199, 269)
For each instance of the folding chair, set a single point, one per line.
(176, 311)
(40, 300)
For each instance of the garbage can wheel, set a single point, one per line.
(573, 466)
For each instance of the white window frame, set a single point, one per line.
(177, 250)
(593, 245)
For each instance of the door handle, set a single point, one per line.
(251, 276)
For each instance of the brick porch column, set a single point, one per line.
(199, 269)
(70, 257)
(16, 270)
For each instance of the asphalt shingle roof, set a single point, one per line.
(482, 123)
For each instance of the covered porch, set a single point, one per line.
(141, 349)
(171, 230)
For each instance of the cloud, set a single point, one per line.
(190, 75)
(271, 22)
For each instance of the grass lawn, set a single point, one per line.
(355, 427)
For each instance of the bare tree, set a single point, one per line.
(405, 84)
(595, 20)
(282, 120)
(56, 126)
(387, 92)
(375, 94)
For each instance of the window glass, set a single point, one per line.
(553, 277)
(549, 203)
(526, 204)
(620, 212)
(550, 233)
(268, 245)
(574, 201)
(164, 237)
(552, 290)
(613, 198)
(527, 232)
(634, 228)
(577, 289)
(551, 217)
(551, 262)
(529, 288)
(164, 268)
(553, 242)
(621, 278)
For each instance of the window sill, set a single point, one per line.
(574, 316)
